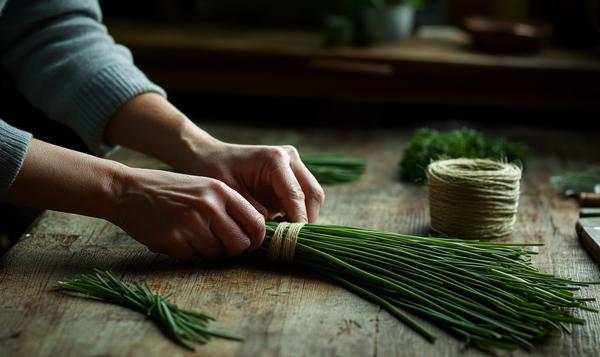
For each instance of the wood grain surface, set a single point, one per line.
(285, 311)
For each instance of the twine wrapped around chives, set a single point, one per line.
(484, 293)
(284, 254)
(473, 198)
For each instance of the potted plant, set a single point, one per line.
(382, 20)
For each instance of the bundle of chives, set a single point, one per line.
(333, 168)
(180, 324)
(488, 294)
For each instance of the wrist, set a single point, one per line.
(197, 147)
(150, 124)
(117, 186)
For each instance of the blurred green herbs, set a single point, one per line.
(334, 168)
(429, 144)
(583, 181)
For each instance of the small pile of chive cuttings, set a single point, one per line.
(334, 168)
(487, 294)
(587, 180)
(180, 324)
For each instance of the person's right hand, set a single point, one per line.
(187, 217)
(272, 178)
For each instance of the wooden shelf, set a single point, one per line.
(292, 63)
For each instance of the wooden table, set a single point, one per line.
(284, 311)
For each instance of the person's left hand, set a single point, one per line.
(272, 178)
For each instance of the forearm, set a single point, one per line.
(148, 123)
(59, 179)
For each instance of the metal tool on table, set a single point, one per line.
(588, 230)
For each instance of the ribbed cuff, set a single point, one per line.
(98, 99)
(13, 147)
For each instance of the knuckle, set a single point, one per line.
(296, 193)
(319, 195)
(278, 153)
(219, 187)
(291, 150)
(281, 153)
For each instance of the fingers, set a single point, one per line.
(288, 190)
(249, 223)
(314, 194)
(190, 245)
(188, 217)
(240, 227)
(206, 243)
(299, 192)
(264, 211)
(234, 225)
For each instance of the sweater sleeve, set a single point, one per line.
(65, 62)
(13, 147)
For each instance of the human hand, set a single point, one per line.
(272, 178)
(186, 217)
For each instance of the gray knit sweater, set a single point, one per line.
(67, 65)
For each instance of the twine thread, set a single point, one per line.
(283, 249)
(473, 198)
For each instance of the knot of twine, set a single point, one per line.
(284, 254)
(473, 198)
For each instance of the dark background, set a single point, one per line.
(577, 22)
(576, 25)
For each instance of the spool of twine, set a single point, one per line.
(473, 198)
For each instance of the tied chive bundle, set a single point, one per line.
(485, 293)
(333, 168)
(180, 324)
